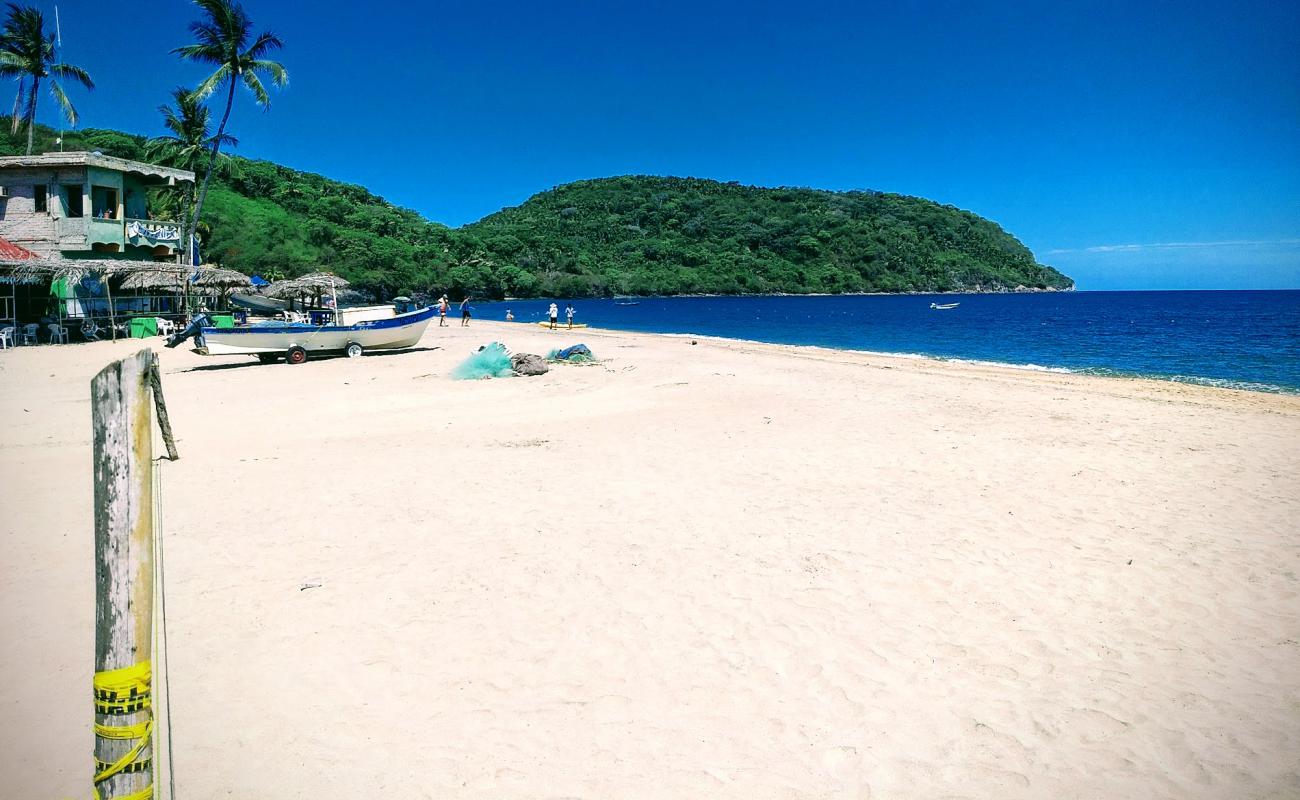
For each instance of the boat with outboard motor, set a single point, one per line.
(360, 329)
(944, 306)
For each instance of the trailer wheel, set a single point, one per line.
(295, 355)
(266, 358)
(353, 350)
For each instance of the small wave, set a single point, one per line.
(1226, 383)
(1012, 365)
(1106, 372)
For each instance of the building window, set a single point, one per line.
(72, 205)
(103, 202)
(39, 198)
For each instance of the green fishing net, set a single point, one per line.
(491, 361)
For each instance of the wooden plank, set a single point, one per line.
(123, 452)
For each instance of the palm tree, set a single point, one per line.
(187, 146)
(224, 40)
(26, 53)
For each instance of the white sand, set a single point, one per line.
(722, 570)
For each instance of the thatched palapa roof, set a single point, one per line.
(306, 285)
(139, 274)
(209, 277)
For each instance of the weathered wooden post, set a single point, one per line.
(112, 312)
(123, 450)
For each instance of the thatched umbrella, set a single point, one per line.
(306, 285)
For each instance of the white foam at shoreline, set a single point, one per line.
(1103, 372)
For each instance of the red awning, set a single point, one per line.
(12, 252)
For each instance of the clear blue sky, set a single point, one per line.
(1151, 147)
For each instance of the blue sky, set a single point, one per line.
(1132, 147)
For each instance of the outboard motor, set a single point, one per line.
(195, 329)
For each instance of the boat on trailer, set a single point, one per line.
(361, 329)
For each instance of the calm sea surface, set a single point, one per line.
(1245, 340)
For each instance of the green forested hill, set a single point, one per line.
(624, 235)
(650, 235)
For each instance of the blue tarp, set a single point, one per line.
(579, 352)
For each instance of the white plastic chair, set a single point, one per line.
(165, 326)
(29, 334)
(58, 333)
(6, 337)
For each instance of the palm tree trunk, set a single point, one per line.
(18, 107)
(31, 112)
(212, 163)
(187, 254)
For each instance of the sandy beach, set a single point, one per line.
(697, 569)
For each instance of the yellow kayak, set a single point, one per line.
(563, 326)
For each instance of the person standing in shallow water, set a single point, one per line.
(568, 313)
(555, 315)
(464, 312)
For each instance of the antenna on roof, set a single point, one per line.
(58, 46)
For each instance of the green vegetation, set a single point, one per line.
(27, 54)
(626, 235)
(223, 39)
(189, 145)
(648, 235)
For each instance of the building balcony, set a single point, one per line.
(153, 233)
(160, 237)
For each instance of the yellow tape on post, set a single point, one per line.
(124, 691)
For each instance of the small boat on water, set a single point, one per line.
(563, 326)
(944, 306)
(361, 329)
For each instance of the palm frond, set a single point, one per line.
(70, 72)
(206, 51)
(265, 43)
(12, 63)
(255, 86)
(61, 97)
(29, 108)
(210, 83)
(279, 75)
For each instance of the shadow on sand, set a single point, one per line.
(313, 357)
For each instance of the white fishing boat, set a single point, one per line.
(361, 329)
(944, 306)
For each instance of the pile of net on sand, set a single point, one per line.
(578, 354)
(491, 361)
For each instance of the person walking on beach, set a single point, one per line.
(568, 313)
(464, 312)
(555, 315)
(442, 312)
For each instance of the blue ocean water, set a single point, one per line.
(1239, 339)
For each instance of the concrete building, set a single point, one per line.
(87, 205)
